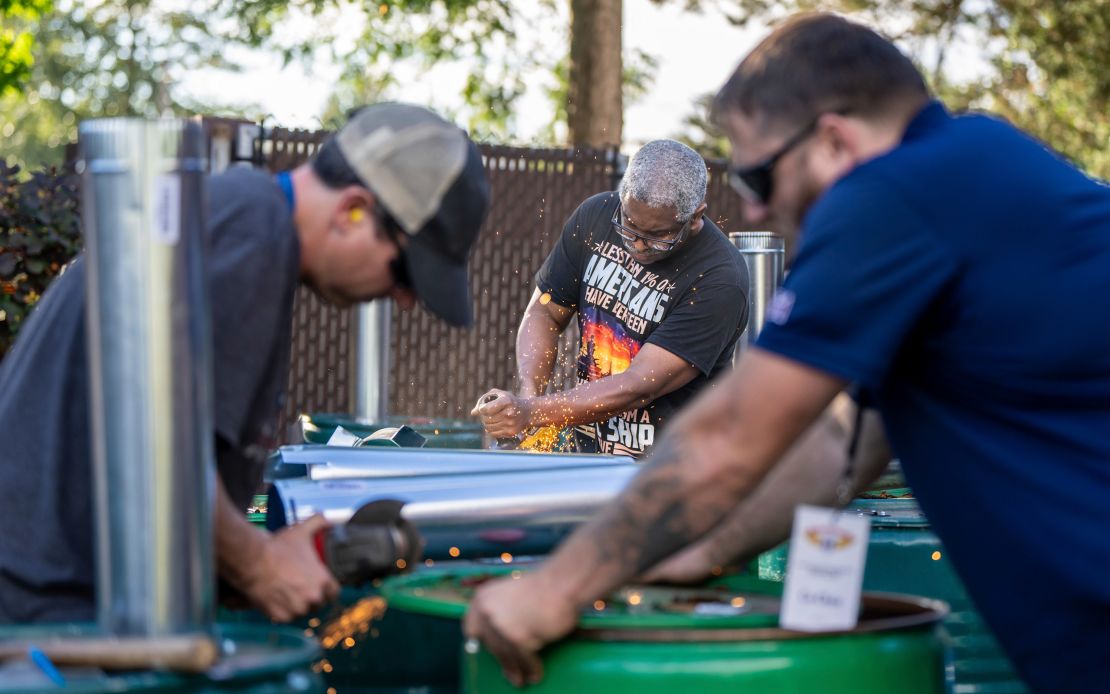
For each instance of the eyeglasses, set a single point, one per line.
(756, 183)
(398, 267)
(659, 244)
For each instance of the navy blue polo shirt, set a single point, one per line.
(963, 280)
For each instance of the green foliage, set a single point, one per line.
(480, 34)
(701, 134)
(1044, 60)
(15, 43)
(100, 58)
(39, 234)
(420, 34)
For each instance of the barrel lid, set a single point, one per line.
(744, 603)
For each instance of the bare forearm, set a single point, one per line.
(672, 502)
(811, 473)
(589, 402)
(715, 453)
(699, 471)
(537, 347)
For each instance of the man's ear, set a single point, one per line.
(837, 145)
(355, 203)
(698, 220)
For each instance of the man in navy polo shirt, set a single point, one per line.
(958, 273)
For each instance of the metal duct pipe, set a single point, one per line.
(471, 516)
(150, 374)
(340, 462)
(764, 253)
(370, 380)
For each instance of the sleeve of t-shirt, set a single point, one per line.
(868, 269)
(249, 269)
(561, 272)
(704, 324)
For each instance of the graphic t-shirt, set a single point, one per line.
(692, 303)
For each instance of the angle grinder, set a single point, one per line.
(377, 541)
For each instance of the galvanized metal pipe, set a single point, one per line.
(370, 380)
(320, 462)
(466, 515)
(150, 374)
(764, 253)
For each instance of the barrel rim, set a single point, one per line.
(893, 612)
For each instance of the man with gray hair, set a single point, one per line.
(661, 298)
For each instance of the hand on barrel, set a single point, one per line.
(289, 579)
(515, 618)
(503, 414)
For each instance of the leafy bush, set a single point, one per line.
(39, 233)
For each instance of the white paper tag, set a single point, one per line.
(166, 208)
(824, 571)
(342, 437)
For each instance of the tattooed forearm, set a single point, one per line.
(712, 456)
(669, 505)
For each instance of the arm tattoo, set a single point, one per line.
(652, 519)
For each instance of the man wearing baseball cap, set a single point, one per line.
(390, 206)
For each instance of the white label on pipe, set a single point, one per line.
(166, 207)
(824, 570)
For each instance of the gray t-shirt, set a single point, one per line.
(46, 516)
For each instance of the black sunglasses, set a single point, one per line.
(655, 243)
(756, 183)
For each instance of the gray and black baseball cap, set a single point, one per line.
(428, 175)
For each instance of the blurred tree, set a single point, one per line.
(15, 42)
(585, 77)
(397, 37)
(1043, 61)
(595, 110)
(96, 58)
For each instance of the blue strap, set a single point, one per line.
(43, 662)
(285, 181)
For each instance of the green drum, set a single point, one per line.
(440, 433)
(904, 556)
(257, 659)
(722, 638)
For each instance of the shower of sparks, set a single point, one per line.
(351, 621)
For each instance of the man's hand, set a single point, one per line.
(288, 579)
(503, 414)
(515, 618)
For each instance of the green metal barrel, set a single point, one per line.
(440, 433)
(257, 659)
(722, 638)
(904, 556)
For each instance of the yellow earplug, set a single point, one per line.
(356, 214)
